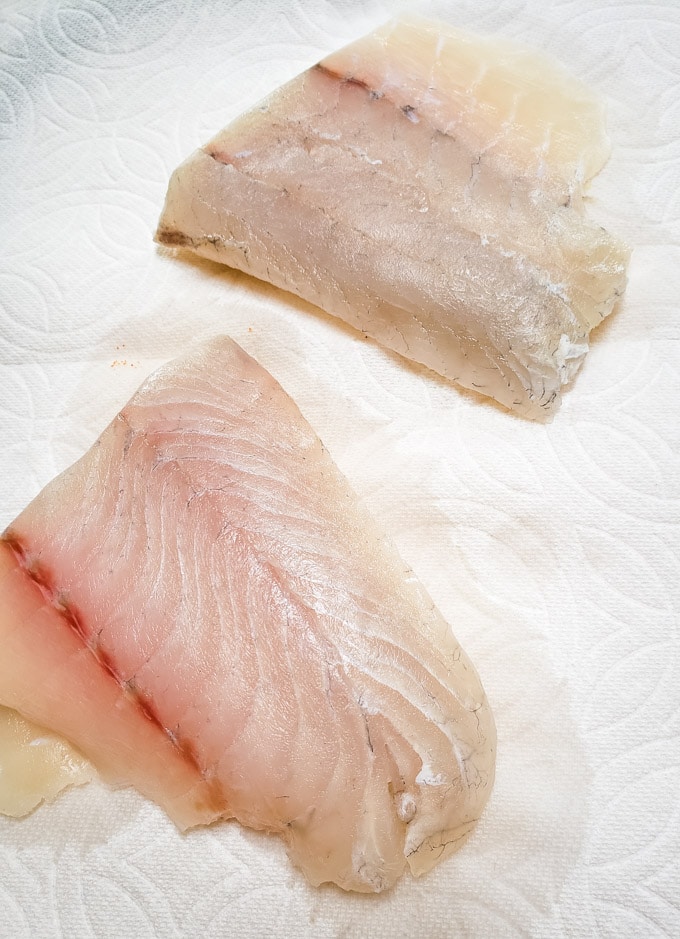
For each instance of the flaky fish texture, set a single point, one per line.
(425, 186)
(203, 607)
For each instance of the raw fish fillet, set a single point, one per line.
(425, 186)
(202, 606)
(35, 766)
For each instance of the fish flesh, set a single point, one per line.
(35, 765)
(203, 607)
(425, 186)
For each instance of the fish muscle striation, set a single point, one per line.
(204, 609)
(425, 186)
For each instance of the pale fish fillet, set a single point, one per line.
(202, 606)
(35, 765)
(425, 186)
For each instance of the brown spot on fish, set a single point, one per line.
(168, 236)
(13, 541)
(410, 112)
(188, 751)
(221, 156)
(214, 801)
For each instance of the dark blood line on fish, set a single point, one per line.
(373, 94)
(345, 79)
(42, 579)
(73, 619)
(106, 663)
(526, 152)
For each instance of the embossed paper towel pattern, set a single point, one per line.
(552, 551)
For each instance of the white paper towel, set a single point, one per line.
(552, 550)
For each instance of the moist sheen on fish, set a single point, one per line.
(35, 765)
(203, 607)
(426, 186)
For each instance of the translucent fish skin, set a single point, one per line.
(425, 186)
(204, 608)
(35, 766)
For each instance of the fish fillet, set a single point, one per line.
(35, 766)
(425, 186)
(202, 606)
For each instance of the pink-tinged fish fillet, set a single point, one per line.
(425, 186)
(202, 606)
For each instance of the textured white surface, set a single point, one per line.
(552, 550)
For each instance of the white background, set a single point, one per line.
(552, 550)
